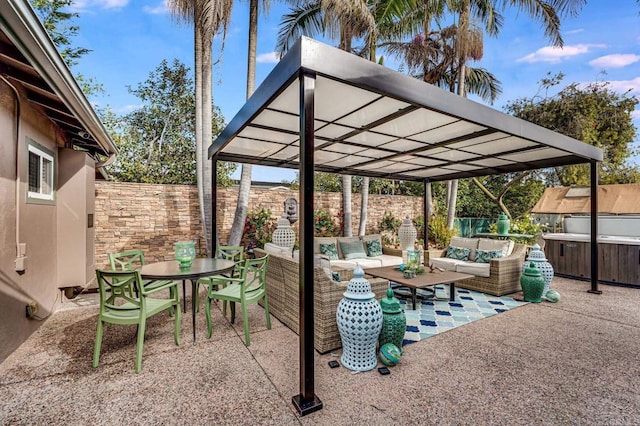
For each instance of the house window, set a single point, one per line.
(41, 163)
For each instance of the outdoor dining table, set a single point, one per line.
(170, 270)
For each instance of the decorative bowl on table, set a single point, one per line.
(401, 267)
(185, 253)
(408, 273)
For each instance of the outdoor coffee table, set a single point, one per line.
(427, 279)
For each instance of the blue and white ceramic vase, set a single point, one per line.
(546, 269)
(359, 319)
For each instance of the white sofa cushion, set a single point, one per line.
(367, 262)
(278, 250)
(470, 243)
(446, 263)
(505, 245)
(388, 260)
(477, 269)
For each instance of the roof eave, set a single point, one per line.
(22, 26)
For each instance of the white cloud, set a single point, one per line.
(268, 58)
(87, 5)
(125, 109)
(636, 114)
(623, 86)
(576, 31)
(159, 9)
(615, 60)
(555, 55)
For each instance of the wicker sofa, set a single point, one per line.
(282, 293)
(503, 273)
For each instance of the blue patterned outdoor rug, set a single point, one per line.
(433, 316)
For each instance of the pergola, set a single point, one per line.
(323, 109)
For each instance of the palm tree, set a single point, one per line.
(208, 18)
(338, 19)
(548, 13)
(242, 205)
(342, 20)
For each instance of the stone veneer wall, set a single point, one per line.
(153, 217)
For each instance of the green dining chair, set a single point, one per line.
(249, 287)
(235, 253)
(131, 260)
(119, 305)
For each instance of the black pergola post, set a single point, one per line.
(425, 215)
(306, 402)
(594, 229)
(214, 203)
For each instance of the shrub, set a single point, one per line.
(389, 223)
(258, 228)
(439, 233)
(325, 225)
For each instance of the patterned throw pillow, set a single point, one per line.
(330, 250)
(374, 248)
(485, 256)
(458, 253)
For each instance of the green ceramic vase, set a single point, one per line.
(394, 322)
(532, 284)
(503, 224)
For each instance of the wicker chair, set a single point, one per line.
(282, 291)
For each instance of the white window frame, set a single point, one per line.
(48, 179)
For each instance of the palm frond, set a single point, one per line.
(305, 18)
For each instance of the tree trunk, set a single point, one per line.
(451, 213)
(429, 196)
(207, 136)
(364, 205)
(242, 206)
(463, 28)
(199, 66)
(346, 205)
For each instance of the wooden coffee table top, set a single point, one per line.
(422, 280)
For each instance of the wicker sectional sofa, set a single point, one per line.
(282, 293)
(503, 274)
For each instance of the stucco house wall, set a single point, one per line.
(26, 223)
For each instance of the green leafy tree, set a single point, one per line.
(592, 113)
(157, 140)
(59, 25)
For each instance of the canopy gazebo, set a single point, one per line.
(323, 109)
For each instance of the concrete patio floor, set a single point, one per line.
(574, 362)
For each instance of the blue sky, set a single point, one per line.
(129, 38)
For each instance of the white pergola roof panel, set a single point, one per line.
(369, 120)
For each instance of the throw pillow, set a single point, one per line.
(458, 253)
(330, 250)
(352, 249)
(485, 256)
(374, 248)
